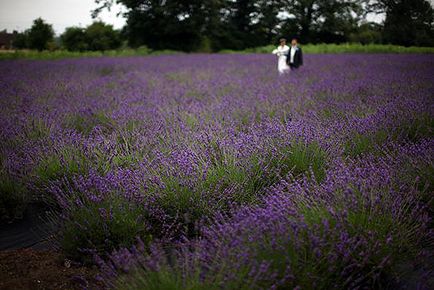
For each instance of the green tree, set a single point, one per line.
(338, 19)
(240, 23)
(250, 23)
(366, 33)
(408, 22)
(101, 36)
(170, 24)
(267, 26)
(322, 20)
(194, 25)
(74, 39)
(40, 35)
(21, 40)
(303, 13)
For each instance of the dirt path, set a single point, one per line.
(37, 269)
(28, 259)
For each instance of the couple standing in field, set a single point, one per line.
(289, 58)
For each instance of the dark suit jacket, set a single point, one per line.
(298, 57)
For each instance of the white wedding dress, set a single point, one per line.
(282, 53)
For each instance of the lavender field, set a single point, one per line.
(212, 172)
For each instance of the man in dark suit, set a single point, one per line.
(295, 55)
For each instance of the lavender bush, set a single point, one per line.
(229, 176)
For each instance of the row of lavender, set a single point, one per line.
(210, 171)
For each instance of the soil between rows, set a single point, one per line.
(30, 260)
(42, 269)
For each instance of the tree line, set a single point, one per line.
(213, 25)
(96, 37)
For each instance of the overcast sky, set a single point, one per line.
(19, 14)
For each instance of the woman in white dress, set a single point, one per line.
(282, 52)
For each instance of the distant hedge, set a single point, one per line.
(141, 51)
(344, 48)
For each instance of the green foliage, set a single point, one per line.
(422, 174)
(390, 237)
(242, 24)
(21, 41)
(177, 197)
(67, 162)
(413, 130)
(242, 183)
(105, 226)
(86, 123)
(359, 48)
(365, 143)
(60, 54)
(74, 39)
(419, 172)
(39, 35)
(367, 33)
(342, 48)
(231, 178)
(101, 37)
(132, 125)
(240, 30)
(144, 51)
(168, 278)
(217, 25)
(174, 25)
(37, 129)
(322, 21)
(408, 22)
(190, 203)
(205, 45)
(128, 154)
(299, 158)
(416, 128)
